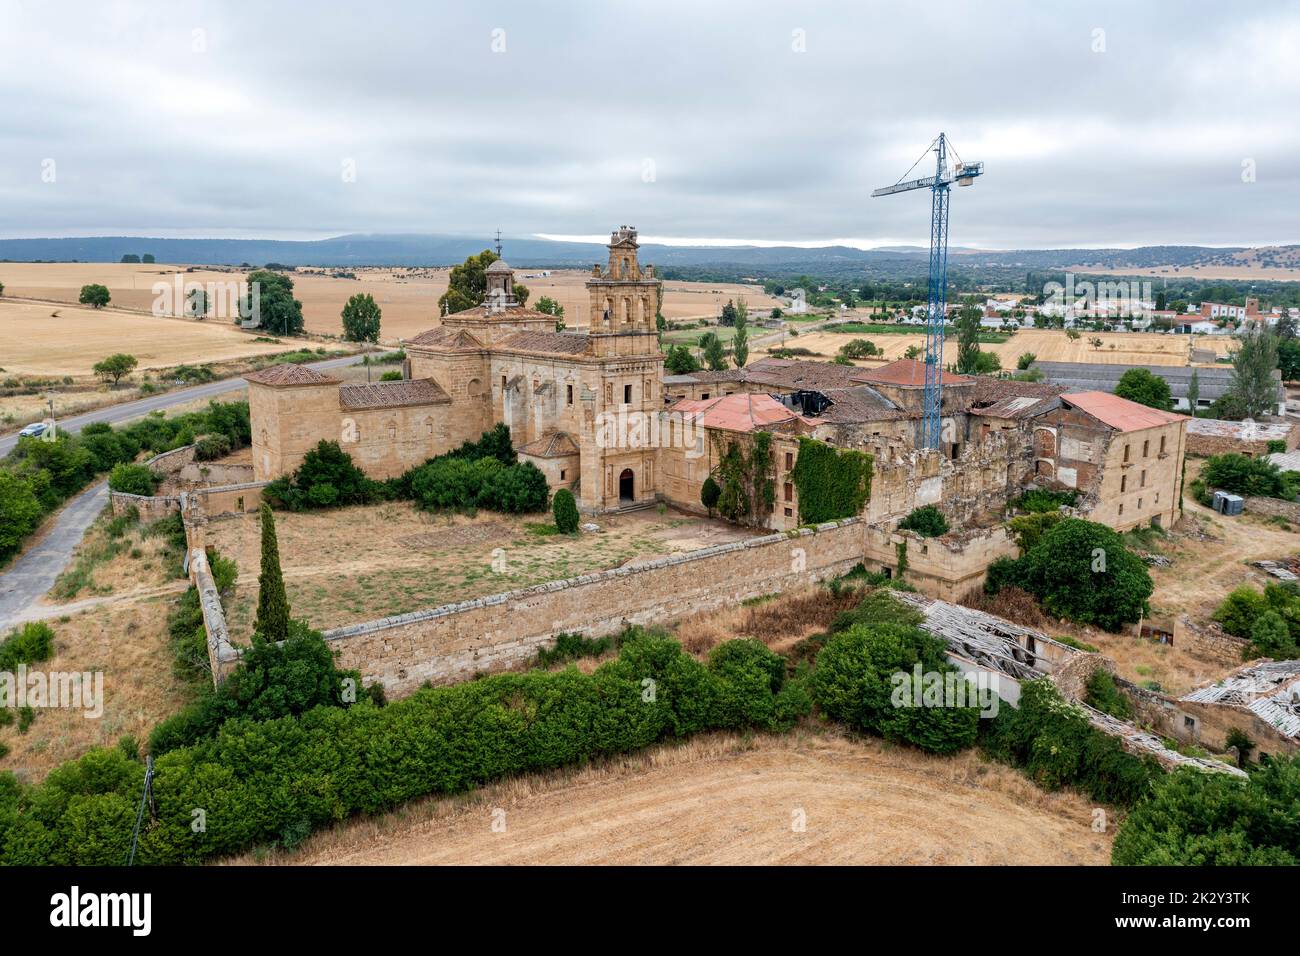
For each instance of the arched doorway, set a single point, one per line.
(626, 486)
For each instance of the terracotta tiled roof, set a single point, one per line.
(742, 412)
(1017, 406)
(444, 338)
(788, 373)
(420, 391)
(989, 389)
(511, 313)
(859, 404)
(554, 445)
(559, 343)
(1120, 413)
(288, 374)
(906, 372)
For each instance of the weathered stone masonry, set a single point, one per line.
(452, 643)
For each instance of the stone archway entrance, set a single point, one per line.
(626, 486)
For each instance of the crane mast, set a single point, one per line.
(939, 185)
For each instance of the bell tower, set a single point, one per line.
(624, 295)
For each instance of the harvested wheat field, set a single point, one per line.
(724, 799)
(40, 339)
(407, 296)
(1048, 345)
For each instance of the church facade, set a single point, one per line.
(557, 392)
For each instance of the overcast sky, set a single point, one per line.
(1100, 123)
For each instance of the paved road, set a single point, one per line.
(34, 572)
(115, 414)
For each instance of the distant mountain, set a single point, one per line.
(436, 250)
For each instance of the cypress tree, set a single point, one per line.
(272, 602)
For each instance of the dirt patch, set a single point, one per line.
(722, 799)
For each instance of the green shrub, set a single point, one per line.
(1042, 500)
(1079, 570)
(1243, 475)
(571, 647)
(710, 492)
(565, 510)
(1103, 693)
(1053, 742)
(863, 678)
(1240, 609)
(259, 781)
(211, 447)
(1212, 819)
(927, 521)
(30, 643)
(133, 480)
(326, 478)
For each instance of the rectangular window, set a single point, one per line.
(789, 512)
(1143, 483)
(503, 383)
(1146, 447)
(789, 491)
(1126, 452)
(704, 397)
(1162, 443)
(568, 391)
(1123, 483)
(789, 460)
(627, 394)
(1139, 504)
(563, 473)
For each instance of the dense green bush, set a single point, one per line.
(40, 474)
(1270, 621)
(1053, 742)
(31, 643)
(326, 478)
(212, 447)
(1103, 693)
(133, 480)
(1042, 500)
(273, 680)
(273, 781)
(927, 521)
(864, 674)
(565, 510)
(1079, 570)
(1243, 475)
(1211, 819)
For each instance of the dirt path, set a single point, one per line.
(719, 800)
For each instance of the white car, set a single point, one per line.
(35, 430)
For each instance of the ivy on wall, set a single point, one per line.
(832, 483)
(744, 475)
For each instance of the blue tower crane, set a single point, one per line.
(963, 174)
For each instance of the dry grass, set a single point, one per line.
(355, 564)
(780, 622)
(128, 643)
(728, 799)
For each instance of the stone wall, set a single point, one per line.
(946, 568)
(1273, 507)
(1208, 642)
(149, 507)
(455, 642)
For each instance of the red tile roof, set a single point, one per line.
(1120, 413)
(906, 372)
(287, 373)
(557, 343)
(742, 412)
(420, 391)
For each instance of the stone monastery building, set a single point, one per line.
(594, 411)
